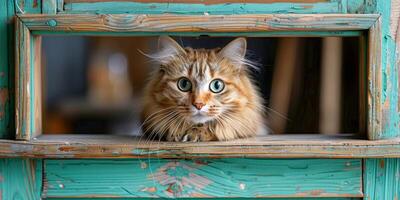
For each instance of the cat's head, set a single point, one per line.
(202, 85)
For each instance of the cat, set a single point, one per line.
(201, 95)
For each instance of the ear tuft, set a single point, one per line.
(168, 48)
(235, 51)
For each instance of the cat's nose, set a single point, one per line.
(198, 106)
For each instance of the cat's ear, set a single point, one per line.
(170, 45)
(235, 51)
(167, 49)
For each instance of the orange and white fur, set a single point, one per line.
(201, 95)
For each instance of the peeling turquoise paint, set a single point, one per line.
(333, 6)
(231, 34)
(6, 70)
(28, 6)
(215, 198)
(390, 75)
(20, 179)
(229, 177)
(382, 179)
(147, 152)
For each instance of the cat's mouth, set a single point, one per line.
(200, 117)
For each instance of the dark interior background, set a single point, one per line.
(76, 68)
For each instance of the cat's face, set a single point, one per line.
(202, 85)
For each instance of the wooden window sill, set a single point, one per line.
(272, 146)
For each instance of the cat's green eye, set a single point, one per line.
(217, 85)
(184, 84)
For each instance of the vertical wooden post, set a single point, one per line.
(6, 70)
(282, 82)
(382, 179)
(28, 83)
(331, 78)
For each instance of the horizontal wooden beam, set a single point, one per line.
(199, 23)
(206, 178)
(273, 146)
(203, 2)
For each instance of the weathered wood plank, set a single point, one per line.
(27, 82)
(198, 7)
(204, 23)
(207, 2)
(28, 6)
(235, 177)
(49, 6)
(395, 33)
(136, 198)
(274, 146)
(389, 71)
(60, 5)
(22, 87)
(6, 61)
(382, 179)
(357, 6)
(20, 178)
(375, 82)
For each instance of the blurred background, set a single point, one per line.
(93, 85)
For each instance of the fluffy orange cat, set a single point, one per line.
(201, 94)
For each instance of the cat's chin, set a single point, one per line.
(200, 119)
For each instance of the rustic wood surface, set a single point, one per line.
(381, 179)
(228, 7)
(23, 82)
(273, 146)
(199, 23)
(6, 69)
(20, 179)
(234, 177)
(28, 113)
(206, 2)
(375, 82)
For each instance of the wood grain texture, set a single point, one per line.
(382, 179)
(28, 83)
(395, 33)
(207, 2)
(235, 177)
(277, 146)
(6, 61)
(389, 72)
(204, 23)
(20, 179)
(23, 81)
(197, 7)
(375, 82)
(132, 7)
(49, 6)
(28, 6)
(60, 5)
(137, 198)
(363, 78)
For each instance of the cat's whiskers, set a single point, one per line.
(233, 119)
(154, 126)
(148, 118)
(152, 122)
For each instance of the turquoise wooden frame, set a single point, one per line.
(30, 27)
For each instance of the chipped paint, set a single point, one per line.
(108, 7)
(230, 177)
(381, 178)
(3, 101)
(382, 163)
